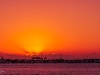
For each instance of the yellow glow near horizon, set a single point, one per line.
(33, 41)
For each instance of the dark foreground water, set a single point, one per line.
(50, 69)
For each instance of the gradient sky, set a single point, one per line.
(65, 26)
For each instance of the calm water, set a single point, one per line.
(50, 69)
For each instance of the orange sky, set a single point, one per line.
(66, 26)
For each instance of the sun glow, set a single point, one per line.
(33, 41)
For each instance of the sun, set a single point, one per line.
(38, 49)
(33, 43)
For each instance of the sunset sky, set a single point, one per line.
(51, 26)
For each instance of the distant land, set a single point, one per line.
(46, 60)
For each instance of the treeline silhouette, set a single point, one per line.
(45, 60)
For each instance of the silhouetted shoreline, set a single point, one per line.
(45, 60)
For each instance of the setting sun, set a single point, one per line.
(36, 40)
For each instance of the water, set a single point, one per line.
(50, 69)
